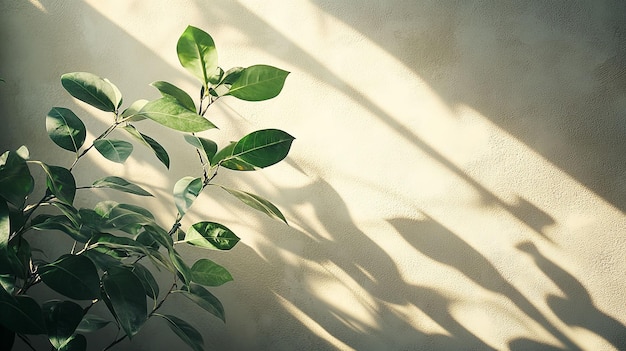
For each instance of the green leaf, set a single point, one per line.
(20, 314)
(91, 89)
(203, 298)
(169, 112)
(258, 149)
(257, 202)
(197, 53)
(120, 184)
(208, 147)
(168, 89)
(121, 246)
(186, 190)
(185, 331)
(60, 223)
(74, 276)
(147, 280)
(16, 182)
(61, 183)
(61, 318)
(210, 235)
(181, 266)
(160, 235)
(131, 114)
(128, 299)
(5, 226)
(65, 128)
(208, 273)
(91, 323)
(114, 150)
(259, 82)
(76, 343)
(158, 150)
(117, 92)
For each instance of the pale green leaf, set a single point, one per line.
(208, 147)
(257, 202)
(121, 184)
(259, 82)
(208, 273)
(168, 89)
(169, 112)
(114, 150)
(197, 53)
(91, 89)
(186, 190)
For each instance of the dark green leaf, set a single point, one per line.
(76, 343)
(211, 235)
(259, 82)
(61, 318)
(61, 183)
(203, 298)
(169, 112)
(160, 235)
(208, 273)
(60, 223)
(5, 226)
(128, 218)
(91, 323)
(257, 203)
(121, 246)
(181, 266)
(128, 299)
(7, 338)
(258, 149)
(197, 54)
(16, 182)
(208, 147)
(157, 148)
(91, 89)
(147, 280)
(185, 331)
(131, 114)
(74, 276)
(114, 150)
(65, 128)
(180, 95)
(120, 184)
(186, 190)
(20, 314)
(16, 258)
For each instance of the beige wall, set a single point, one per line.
(458, 180)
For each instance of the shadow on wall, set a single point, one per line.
(552, 74)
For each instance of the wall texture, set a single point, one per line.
(458, 181)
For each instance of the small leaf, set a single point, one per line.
(259, 82)
(5, 226)
(120, 184)
(131, 114)
(128, 299)
(65, 128)
(20, 314)
(61, 318)
(60, 223)
(169, 112)
(257, 202)
(74, 276)
(16, 182)
(158, 150)
(118, 94)
(186, 190)
(208, 273)
(208, 147)
(147, 280)
(114, 150)
(181, 266)
(91, 323)
(211, 235)
(185, 331)
(258, 149)
(91, 89)
(197, 53)
(168, 89)
(203, 298)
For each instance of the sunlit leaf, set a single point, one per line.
(258, 149)
(91, 89)
(257, 202)
(128, 298)
(65, 128)
(203, 298)
(259, 82)
(168, 89)
(74, 276)
(61, 318)
(114, 150)
(131, 114)
(208, 273)
(169, 112)
(186, 190)
(117, 93)
(206, 146)
(197, 54)
(121, 184)
(210, 235)
(157, 148)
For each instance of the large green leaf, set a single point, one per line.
(21, 314)
(74, 276)
(168, 89)
(197, 53)
(206, 146)
(65, 128)
(147, 280)
(61, 183)
(131, 114)
(210, 235)
(114, 150)
(91, 323)
(91, 89)
(208, 273)
(128, 299)
(186, 190)
(16, 182)
(258, 149)
(185, 331)
(171, 113)
(203, 298)
(257, 202)
(61, 318)
(121, 184)
(157, 148)
(259, 82)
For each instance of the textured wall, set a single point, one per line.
(458, 179)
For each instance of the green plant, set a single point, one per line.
(113, 243)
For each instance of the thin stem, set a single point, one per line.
(156, 308)
(115, 342)
(101, 136)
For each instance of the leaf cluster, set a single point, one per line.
(117, 247)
